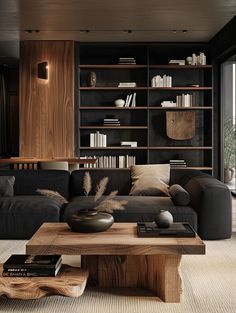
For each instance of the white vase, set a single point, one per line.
(119, 103)
(164, 219)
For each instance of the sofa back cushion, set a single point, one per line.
(6, 186)
(150, 180)
(28, 181)
(118, 180)
(182, 176)
(121, 180)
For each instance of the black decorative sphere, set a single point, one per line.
(164, 219)
(90, 221)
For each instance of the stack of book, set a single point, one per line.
(127, 84)
(98, 140)
(127, 61)
(177, 62)
(24, 265)
(184, 100)
(168, 104)
(178, 163)
(129, 143)
(111, 122)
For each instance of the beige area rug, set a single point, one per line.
(209, 286)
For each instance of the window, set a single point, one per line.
(228, 104)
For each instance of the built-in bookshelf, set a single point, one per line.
(145, 123)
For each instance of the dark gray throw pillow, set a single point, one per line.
(179, 195)
(6, 186)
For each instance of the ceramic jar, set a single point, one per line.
(89, 221)
(164, 219)
(119, 103)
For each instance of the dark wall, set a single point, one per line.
(10, 72)
(223, 45)
(224, 41)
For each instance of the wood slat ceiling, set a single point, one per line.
(150, 20)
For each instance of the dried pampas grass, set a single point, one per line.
(87, 184)
(100, 189)
(108, 204)
(53, 195)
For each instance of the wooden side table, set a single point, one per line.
(69, 282)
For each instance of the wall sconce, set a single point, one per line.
(43, 70)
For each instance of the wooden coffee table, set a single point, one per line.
(118, 258)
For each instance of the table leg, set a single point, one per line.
(159, 273)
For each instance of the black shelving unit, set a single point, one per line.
(145, 123)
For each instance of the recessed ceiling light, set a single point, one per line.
(30, 31)
(175, 31)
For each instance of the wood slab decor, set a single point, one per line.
(180, 125)
(118, 258)
(69, 282)
(47, 105)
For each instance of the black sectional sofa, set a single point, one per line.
(209, 211)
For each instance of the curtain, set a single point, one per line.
(3, 117)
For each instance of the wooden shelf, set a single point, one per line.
(181, 148)
(104, 169)
(180, 67)
(200, 168)
(145, 148)
(112, 108)
(146, 108)
(112, 66)
(113, 127)
(136, 66)
(113, 88)
(180, 88)
(145, 88)
(113, 148)
(181, 108)
(22, 160)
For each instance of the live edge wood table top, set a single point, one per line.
(117, 257)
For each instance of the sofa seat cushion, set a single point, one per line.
(21, 216)
(138, 209)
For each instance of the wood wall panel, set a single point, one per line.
(47, 106)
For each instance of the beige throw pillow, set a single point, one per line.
(150, 180)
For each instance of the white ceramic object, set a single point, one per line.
(189, 60)
(119, 103)
(164, 219)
